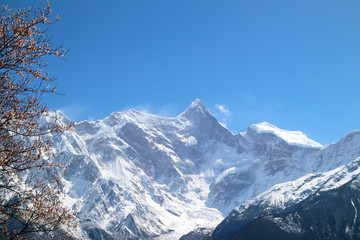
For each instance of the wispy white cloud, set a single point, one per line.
(75, 111)
(223, 114)
(168, 110)
(223, 109)
(145, 108)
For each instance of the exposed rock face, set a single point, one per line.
(143, 176)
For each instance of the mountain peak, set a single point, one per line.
(197, 104)
(196, 110)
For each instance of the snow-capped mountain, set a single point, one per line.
(316, 206)
(137, 175)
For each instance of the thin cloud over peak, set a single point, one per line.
(223, 114)
(223, 109)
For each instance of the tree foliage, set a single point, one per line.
(28, 204)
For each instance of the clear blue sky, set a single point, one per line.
(295, 64)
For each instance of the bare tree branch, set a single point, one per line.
(30, 205)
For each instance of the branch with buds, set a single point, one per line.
(28, 205)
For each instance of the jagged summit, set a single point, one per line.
(196, 110)
(197, 104)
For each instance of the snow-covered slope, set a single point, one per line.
(134, 174)
(285, 207)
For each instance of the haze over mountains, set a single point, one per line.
(135, 175)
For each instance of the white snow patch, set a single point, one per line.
(356, 212)
(189, 162)
(291, 137)
(191, 141)
(219, 163)
(290, 224)
(224, 174)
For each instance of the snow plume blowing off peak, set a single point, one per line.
(134, 175)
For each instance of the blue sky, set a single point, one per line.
(295, 64)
